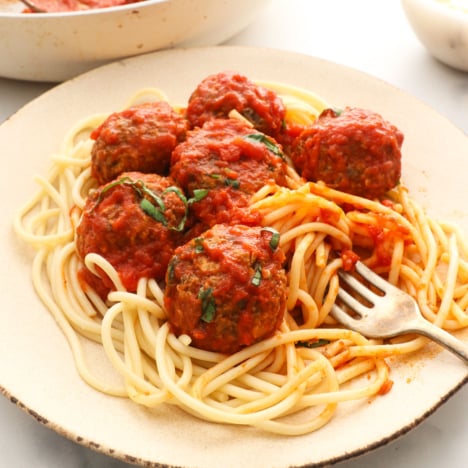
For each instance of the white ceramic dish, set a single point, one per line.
(442, 27)
(57, 46)
(36, 367)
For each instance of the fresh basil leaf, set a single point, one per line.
(198, 195)
(261, 138)
(198, 241)
(257, 277)
(312, 344)
(122, 181)
(234, 183)
(171, 268)
(156, 207)
(153, 211)
(177, 191)
(208, 304)
(275, 237)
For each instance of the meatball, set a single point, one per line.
(140, 138)
(227, 288)
(217, 95)
(355, 151)
(230, 160)
(135, 223)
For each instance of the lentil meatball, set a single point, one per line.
(232, 161)
(135, 223)
(355, 151)
(227, 288)
(140, 138)
(217, 95)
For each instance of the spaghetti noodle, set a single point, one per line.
(292, 382)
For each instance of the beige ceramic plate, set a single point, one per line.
(36, 366)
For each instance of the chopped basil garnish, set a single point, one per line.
(123, 180)
(234, 183)
(257, 277)
(154, 205)
(274, 241)
(228, 182)
(312, 344)
(198, 241)
(208, 304)
(171, 269)
(261, 138)
(275, 237)
(157, 213)
(198, 194)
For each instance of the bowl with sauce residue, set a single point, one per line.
(442, 27)
(55, 46)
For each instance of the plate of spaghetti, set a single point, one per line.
(174, 224)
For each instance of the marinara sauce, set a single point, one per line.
(231, 160)
(354, 150)
(217, 95)
(140, 138)
(226, 289)
(123, 222)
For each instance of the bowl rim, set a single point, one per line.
(73, 14)
(439, 7)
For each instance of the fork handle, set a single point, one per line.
(441, 337)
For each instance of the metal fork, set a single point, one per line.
(389, 313)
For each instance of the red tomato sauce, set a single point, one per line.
(217, 95)
(115, 226)
(355, 151)
(230, 160)
(225, 280)
(236, 273)
(140, 138)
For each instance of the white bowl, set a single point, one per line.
(442, 27)
(57, 46)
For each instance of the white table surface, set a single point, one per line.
(371, 36)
